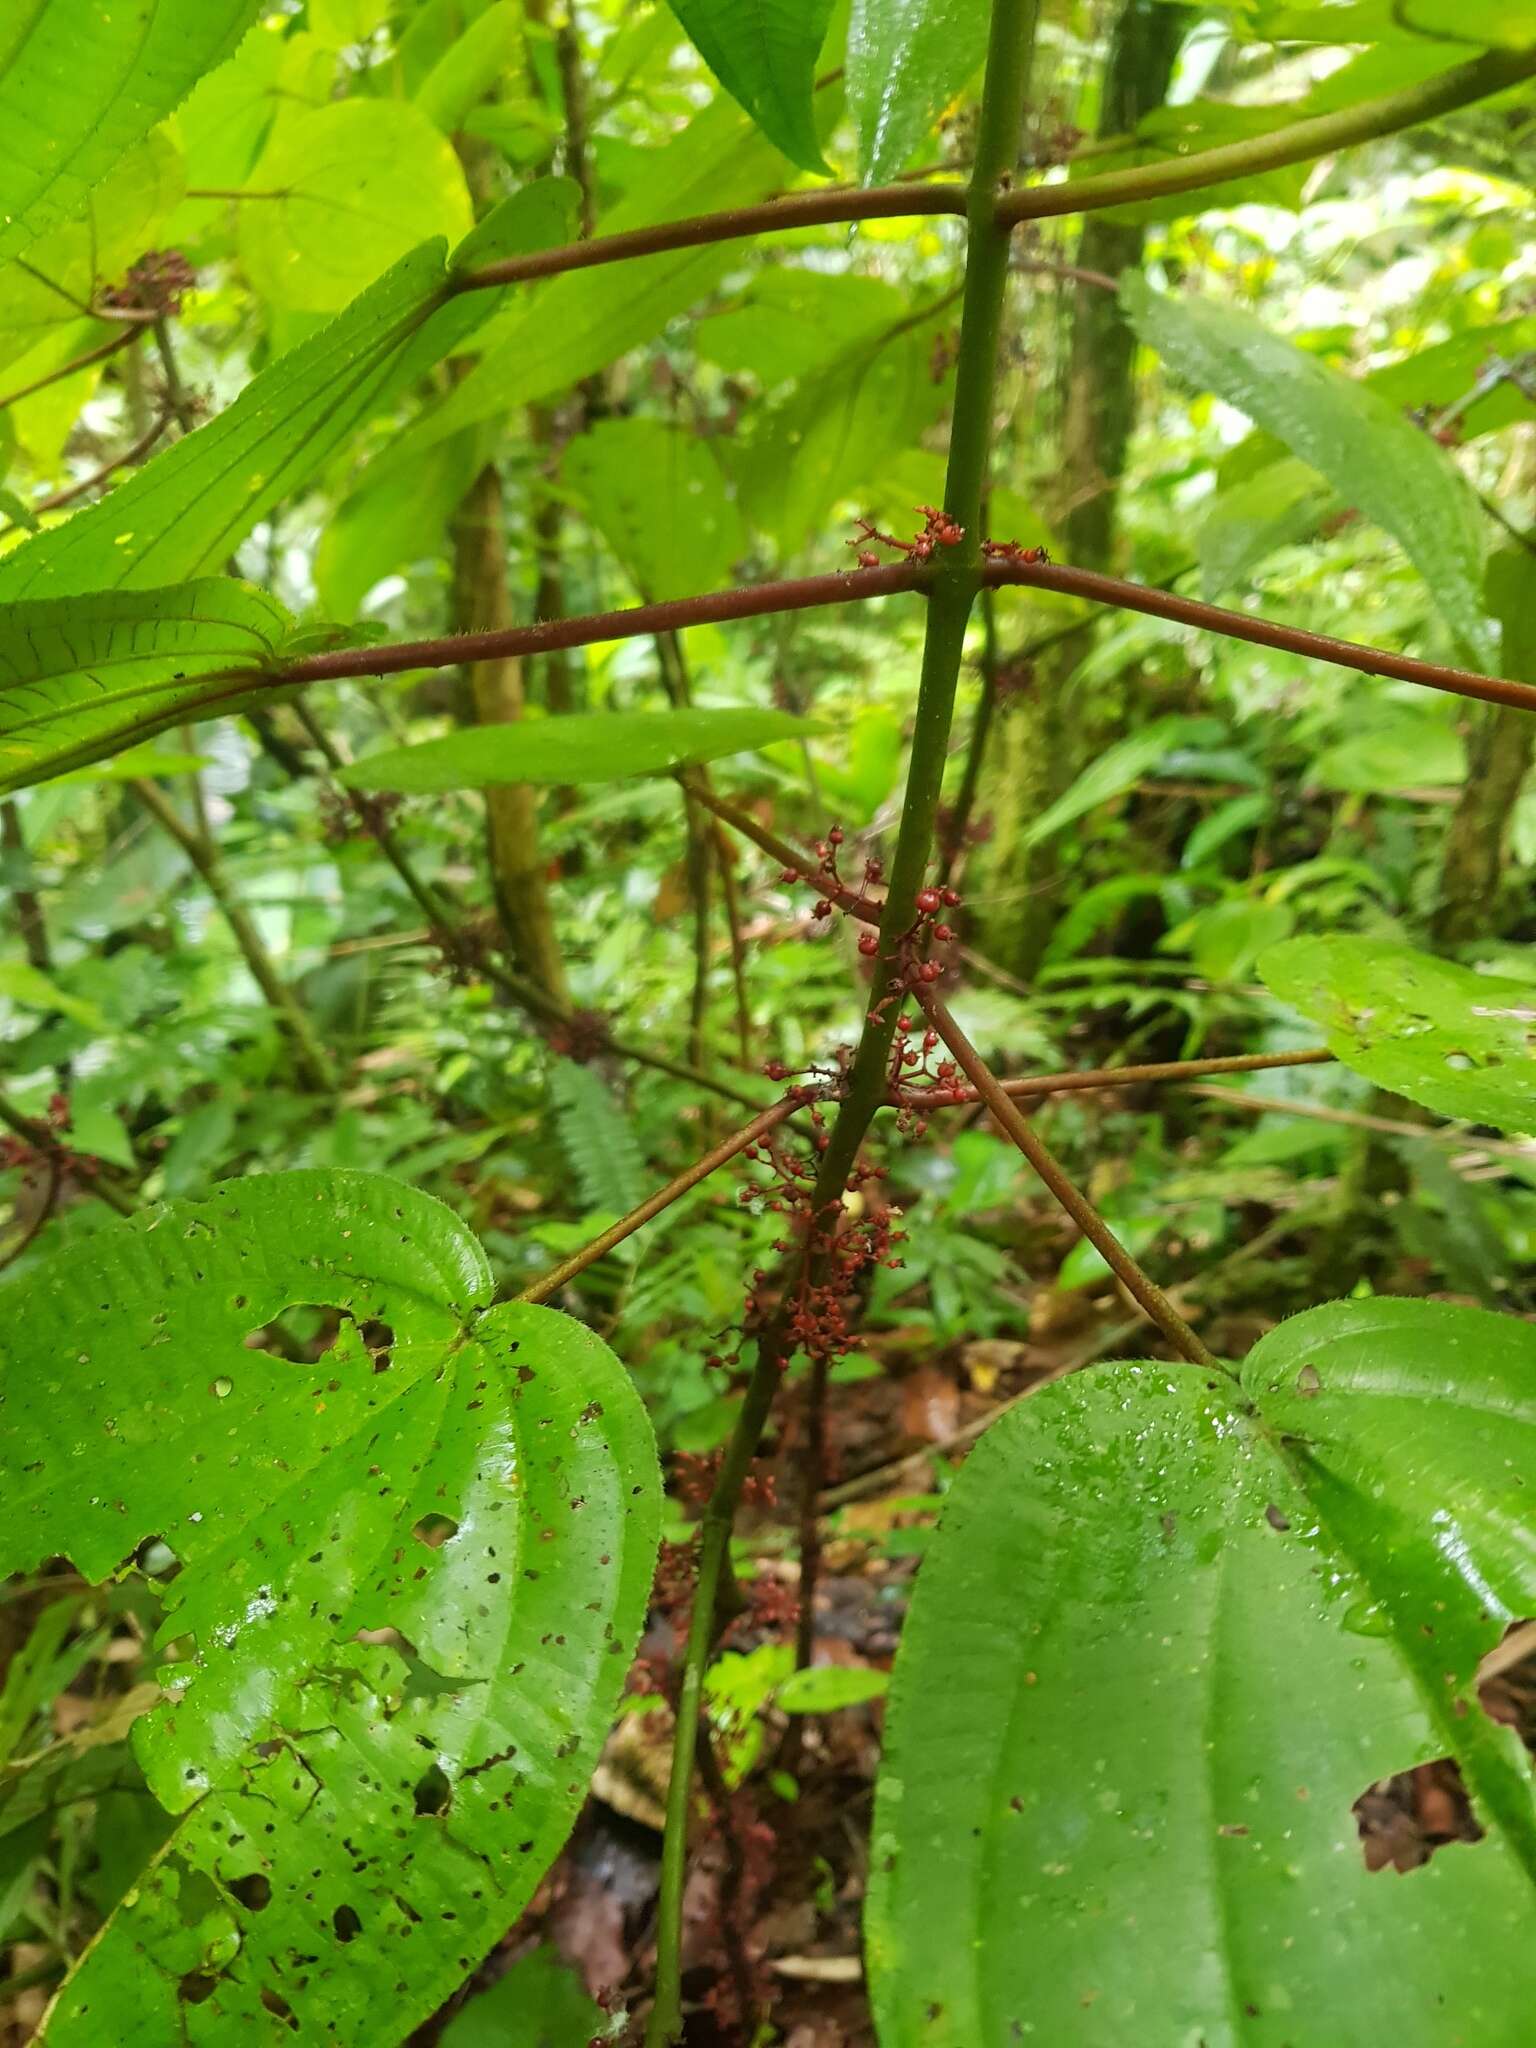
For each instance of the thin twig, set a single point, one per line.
(1359, 1120)
(57, 500)
(718, 1156)
(1137, 1283)
(1176, 1071)
(99, 354)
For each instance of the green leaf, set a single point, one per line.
(1251, 519)
(593, 746)
(550, 338)
(907, 59)
(538, 2003)
(29, 986)
(764, 53)
(1460, 1042)
(1502, 24)
(599, 1139)
(80, 84)
(82, 677)
(656, 494)
(1163, 1641)
(1405, 749)
(361, 183)
(466, 72)
(1377, 460)
(1118, 769)
(827, 1688)
(195, 501)
(412, 1573)
(539, 215)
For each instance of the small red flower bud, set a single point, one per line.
(929, 971)
(943, 932)
(868, 560)
(835, 836)
(789, 875)
(928, 901)
(823, 908)
(949, 898)
(869, 944)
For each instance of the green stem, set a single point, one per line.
(1303, 141)
(309, 1054)
(952, 594)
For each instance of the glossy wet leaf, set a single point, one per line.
(190, 505)
(907, 59)
(353, 1808)
(764, 53)
(1460, 1042)
(355, 187)
(81, 84)
(1169, 1631)
(593, 746)
(82, 677)
(1378, 461)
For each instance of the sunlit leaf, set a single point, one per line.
(344, 193)
(81, 84)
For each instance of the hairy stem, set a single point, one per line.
(1141, 1287)
(952, 592)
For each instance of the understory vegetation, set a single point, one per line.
(768, 1023)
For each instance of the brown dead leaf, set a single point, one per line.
(930, 1405)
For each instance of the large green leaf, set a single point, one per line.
(80, 84)
(572, 327)
(538, 2003)
(347, 191)
(657, 496)
(411, 1575)
(907, 59)
(1169, 1632)
(764, 53)
(81, 677)
(1460, 1042)
(194, 502)
(1377, 460)
(1118, 769)
(586, 746)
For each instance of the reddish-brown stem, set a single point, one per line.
(1212, 618)
(1141, 1287)
(716, 608)
(1122, 1077)
(810, 592)
(819, 209)
(99, 354)
(718, 1156)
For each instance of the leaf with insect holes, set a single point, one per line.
(1460, 1042)
(82, 677)
(582, 746)
(412, 1571)
(1170, 1631)
(82, 84)
(764, 53)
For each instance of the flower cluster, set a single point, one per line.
(938, 531)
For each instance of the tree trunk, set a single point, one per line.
(1042, 743)
(483, 604)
